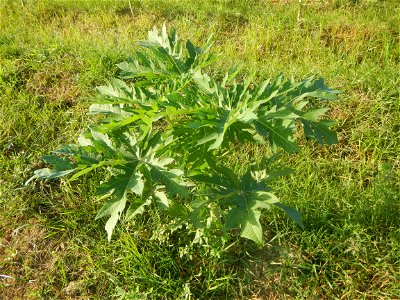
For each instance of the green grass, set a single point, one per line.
(54, 53)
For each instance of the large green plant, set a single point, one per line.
(168, 127)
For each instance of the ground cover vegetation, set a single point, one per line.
(54, 54)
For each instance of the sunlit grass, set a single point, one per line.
(53, 54)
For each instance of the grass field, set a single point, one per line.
(54, 53)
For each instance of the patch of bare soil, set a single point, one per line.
(25, 259)
(54, 85)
